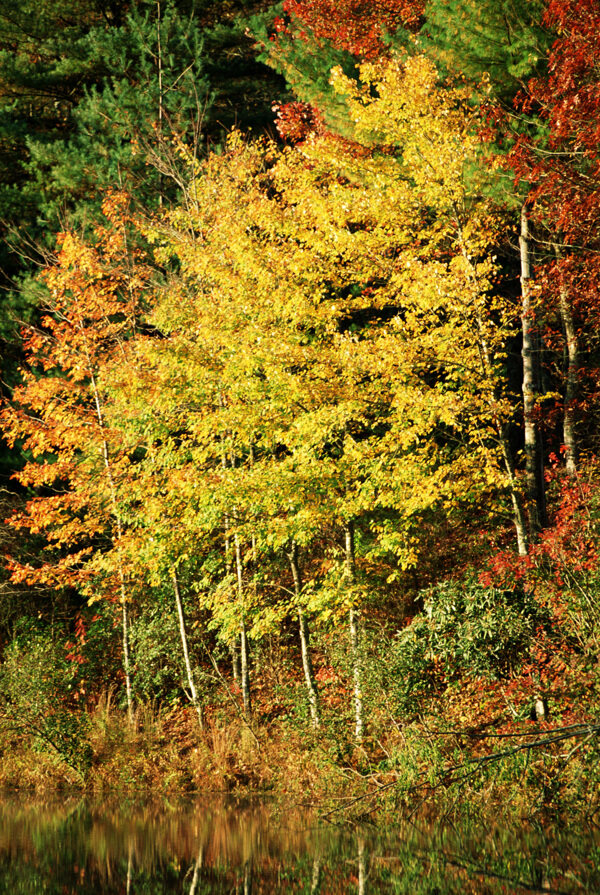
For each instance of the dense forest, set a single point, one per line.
(300, 384)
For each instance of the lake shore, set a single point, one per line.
(533, 769)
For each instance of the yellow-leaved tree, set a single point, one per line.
(331, 368)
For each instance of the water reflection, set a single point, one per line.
(213, 848)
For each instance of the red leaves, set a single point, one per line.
(568, 550)
(357, 26)
(295, 121)
(563, 164)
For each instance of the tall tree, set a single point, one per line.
(498, 46)
(561, 165)
(60, 415)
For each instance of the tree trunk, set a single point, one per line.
(534, 461)
(572, 352)
(355, 645)
(184, 646)
(119, 535)
(500, 425)
(233, 647)
(234, 652)
(515, 496)
(245, 673)
(159, 66)
(126, 660)
(309, 677)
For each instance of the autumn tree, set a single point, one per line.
(314, 333)
(59, 414)
(560, 166)
(357, 26)
(314, 36)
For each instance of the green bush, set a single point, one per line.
(156, 650)
(465, 630)
(36, 689)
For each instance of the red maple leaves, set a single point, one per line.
(357, 26)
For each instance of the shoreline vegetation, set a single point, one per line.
(300, 476)
(466, 753)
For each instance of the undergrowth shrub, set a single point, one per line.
(465, 629)
(37, 685)
(156, 648)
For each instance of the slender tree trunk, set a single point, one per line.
(184, 646)
(159, 65)
(534, 460)
(119, 536)
(504, 441)
(233, 647)
(572, 352)
(355, 645)
(245, 673)
(126, 659)
(501, 427)
(309, 677)
(234, 652)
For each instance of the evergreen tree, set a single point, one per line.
(152, 89)
(305, 39)
(305, 61)
(91, 95)
(503, 40)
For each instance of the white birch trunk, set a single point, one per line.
(501, 427)
(355, 645)
(233, 647)
(234, 652)
(126, 658)
(309, 677)
(533, 449)
(119, 535)
(572, 352)
(245, 672)
(184, 646)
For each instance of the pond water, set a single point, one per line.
(218, 847)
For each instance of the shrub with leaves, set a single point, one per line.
(36, 688)
(466, 629)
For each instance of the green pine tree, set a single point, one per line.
(504, 40)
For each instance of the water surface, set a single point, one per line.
(223, 846)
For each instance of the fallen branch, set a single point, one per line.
(559, 735)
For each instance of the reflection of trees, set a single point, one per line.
(362, 866)
(248, 878)
(197, 868)
(236, 849)
(315, 881)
